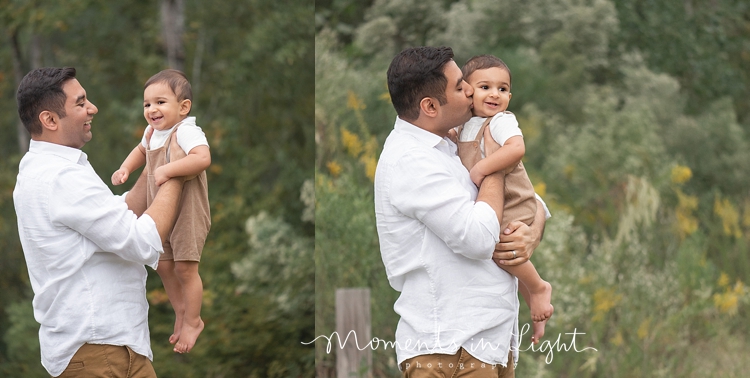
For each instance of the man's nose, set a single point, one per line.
(468, 89)
(93, 109)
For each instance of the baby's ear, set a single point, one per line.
(185, 107)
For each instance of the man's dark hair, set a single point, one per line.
(416, 73)
(483, 62)
(40, 90)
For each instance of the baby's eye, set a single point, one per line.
(484, 87)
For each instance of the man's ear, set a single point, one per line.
(429, 106)
(49, 120)
(185, 106)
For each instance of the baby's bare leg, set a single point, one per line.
(539, 290)
(173, 287)
(192, 292)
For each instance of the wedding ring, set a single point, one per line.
(514, 254)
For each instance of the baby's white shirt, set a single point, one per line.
(189, 136)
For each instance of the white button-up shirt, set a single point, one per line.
(437, 243)
(85, 252)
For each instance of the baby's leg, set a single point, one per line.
(192, 291)
(173, 287)
(539, 290)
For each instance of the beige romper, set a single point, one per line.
(187, 237)
(520, 201)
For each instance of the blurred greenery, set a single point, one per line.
(250, 63)
(636, 118)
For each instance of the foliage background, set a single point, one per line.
(636, 117)
(250, 63)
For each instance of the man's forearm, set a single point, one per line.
(164, 208)
(491, 192)
(136, 198)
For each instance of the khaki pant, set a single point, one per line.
(461, 364)
(97, 360)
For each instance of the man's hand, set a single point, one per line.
(120, 176)
(517, 243)
(175, 151)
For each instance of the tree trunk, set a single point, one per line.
(173, 24)
(18, 72)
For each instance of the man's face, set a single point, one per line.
(458, 93)
(75, 127)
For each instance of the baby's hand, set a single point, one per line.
(160, 176)
(120, 176)
(476, 176)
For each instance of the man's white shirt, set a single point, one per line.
(437, 243)
(85, 253)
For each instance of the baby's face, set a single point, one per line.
(161, 108)
(491, 91)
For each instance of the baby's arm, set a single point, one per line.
(197, 160)
(135, 160)
(507, 156)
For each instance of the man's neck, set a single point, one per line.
(428, 126)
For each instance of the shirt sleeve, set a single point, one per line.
(143, 138)
(422, 189)
(504, 126)
(85, 204)
(189, 137)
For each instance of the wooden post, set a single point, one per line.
(353, 314)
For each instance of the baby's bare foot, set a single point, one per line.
(188, 336)
(541, 309)
(538, 328)
(177, 330)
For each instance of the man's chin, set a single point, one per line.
(466, 118)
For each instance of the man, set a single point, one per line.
(438, 234)
(84, 248)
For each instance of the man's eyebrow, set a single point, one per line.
(459, 81)
(80, 98)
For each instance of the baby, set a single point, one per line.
(167, 101)
(491, 80)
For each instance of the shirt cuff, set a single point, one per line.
(488, 219)
(150, 235)
(547, 214)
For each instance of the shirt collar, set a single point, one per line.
(68, 153)
(424, 136)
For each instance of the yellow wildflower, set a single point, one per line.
(370, 165)
(353, 102)
(644, 328)
(604, 300)
(686, 222)
(617, 340)
(540, 188)
(681, 174)
(334, 168)
(351, 142)
(730, 217)
(723, 280)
